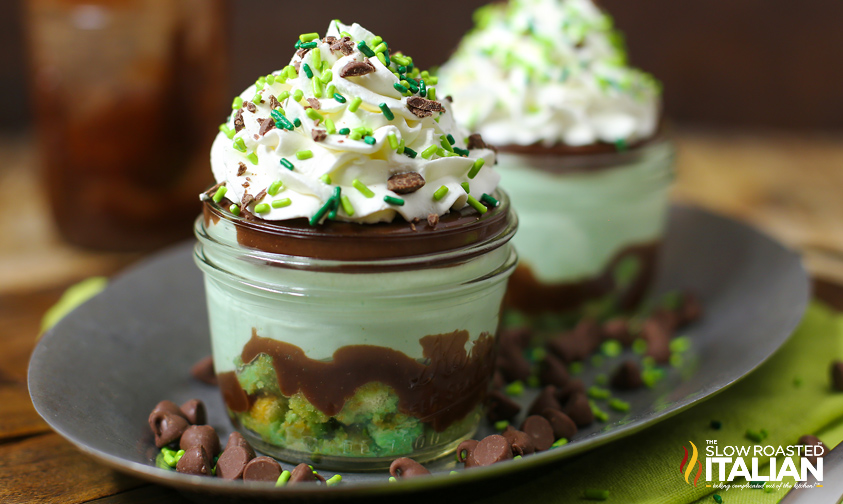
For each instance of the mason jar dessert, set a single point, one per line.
(581, 154)
(356, 253)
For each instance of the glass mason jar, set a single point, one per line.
(590, 226)
(350, 345)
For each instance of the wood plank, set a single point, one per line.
(49, 469)
(17, 415)
(149, 494)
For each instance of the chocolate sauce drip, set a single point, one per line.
(442, 389)
(232, 392)
(528, 294)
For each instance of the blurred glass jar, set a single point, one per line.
(126, 96)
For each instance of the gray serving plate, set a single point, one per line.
(97, 374)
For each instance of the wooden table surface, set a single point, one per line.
(788, 184)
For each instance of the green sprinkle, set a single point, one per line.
(365, 49)
(651, 376)
(575, 368)
(428, 153)
(237, 103)
(313, 114)
(716, 424)
(270, 79)
(431, 94)
(764, 433)
(377, 40)
(559, 442)
(517, 457)
(369, 139)
(392, 479)
(382, 59)
(386, 111)
(797, 381)
(393, 201)
(454, 473)
(357, 133)
(422, 88)
(382, 47)
(324, 209)
(611, 348)
(316, 57)
(601, 379)
(515, 388)
(680, 344)
(239, 144)
(345, 34)
(316, 84)
(538, 354)
(307, 37)
(261, 208)
(596, 392)
(281, 120)
(347, 207)
(492, 202)
(283, 479)
(465, 187)
(334, 480)
(717, 499)
(297, 122)
(298, 94)
(330, 91)
(599, 414)
(228, 131)
(475, 168)
(461, 152)
(639, 346)
(620, 145)
(618, 405)
(260, 83)
(257, 98)
(308, 45)
(477, 205)
(533, 382)
(253, 158)
(408, 151)
(400, 88)
(304, 154)
(281, 203)
(326, 178)
(340, 98)
(443, 141)
(219, 194)
(307, 71)
(355, 104)
(344, 131)
(393, 141)
(291, 72)
(501, 425)
(234, 209)
(327, 76)
(365, 191)
(676, 361)
(593, 494)
(287, 164)
(451, 139)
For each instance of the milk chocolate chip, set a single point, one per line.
(627, 376)
(464, 451)
(490, 450)
(539, 430)
(167, 427)
(545, 400)
(201, 435)
(521, 442)
(357, 68)
(262, 469)
(195, 461)
(618, 329)
(658, 340)
(501, 407)
(405, 183)
(573, 386)
(194, 411)
(233, 461)
(553, 372)
(691, 310)
(169, 407)
(579, 409)
(301, 474)
(237, 439)
(204, 371)
(563, 426)
(407, 468)
(512, 363)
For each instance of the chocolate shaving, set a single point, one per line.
(344, 45)
(405, 183)
(238, 121)
(314, 103)
(475, 141)
(319, 135)
(246, 184)
(330, 39)
(241, 169)
(251, 107)
(260, 195)
(213, 190)
(412, 226)
(246, 201)
(273, 102)
(301, 52)
(432, 220)
(297, 65)
(450, 99)
(357, 68)
(266, 125)
(422, 107)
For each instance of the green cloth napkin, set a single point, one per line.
(790, 395)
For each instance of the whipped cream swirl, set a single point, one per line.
(349, 133)
(549, 72)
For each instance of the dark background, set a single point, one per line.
(734, 63)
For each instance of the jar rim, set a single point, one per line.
(323, 248)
